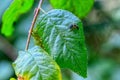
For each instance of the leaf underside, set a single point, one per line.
(36, 64)
(16, 9)
(65, 43)
(79, 7)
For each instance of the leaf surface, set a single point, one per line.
(78, 7)
(36, 64)
(56, 34)
(15, 10)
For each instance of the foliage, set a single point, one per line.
(64, 44)
(60, 36)
(78, 7)
(102, 35)
(12, 79)
(17, 8)
(57, 32)
(36, 64)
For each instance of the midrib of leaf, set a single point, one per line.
(35, 60)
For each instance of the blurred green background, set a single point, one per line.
(102, 34)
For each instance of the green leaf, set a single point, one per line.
(55, 33)
(17, 8)
(79, 7)
(12, 79)
(36, 64)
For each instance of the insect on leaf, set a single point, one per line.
(65, 44)
(36, 64)
(11, 15)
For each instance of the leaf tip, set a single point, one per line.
(7, 31)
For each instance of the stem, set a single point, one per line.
(37, 10)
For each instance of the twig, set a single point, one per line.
(43, 11)
(37, 10)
